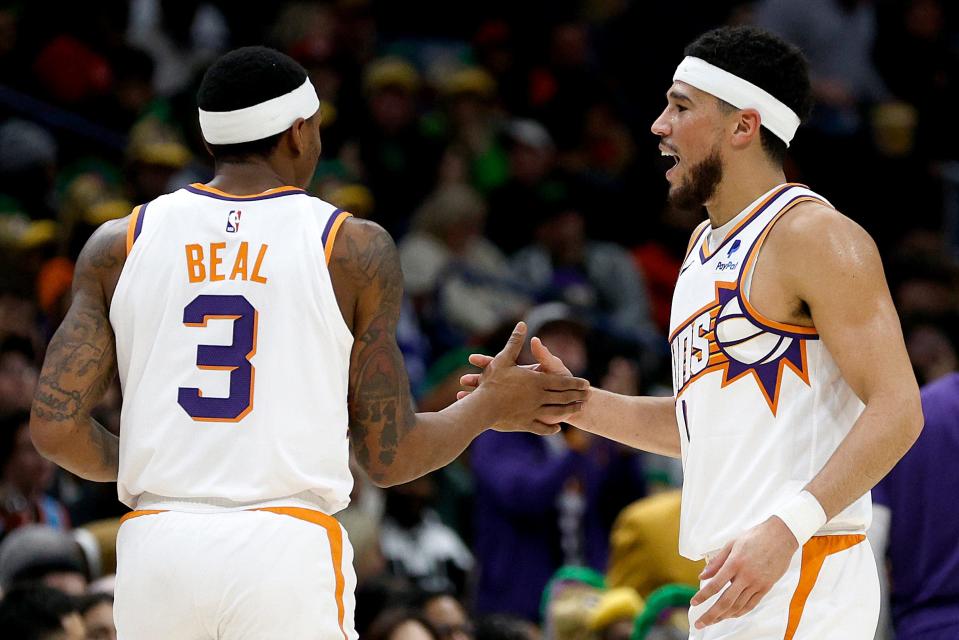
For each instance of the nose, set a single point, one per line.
(661, 126)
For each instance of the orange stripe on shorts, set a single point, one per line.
(335, 535)
(814, 554)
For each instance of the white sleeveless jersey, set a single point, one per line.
(232, 351)
(761, 405)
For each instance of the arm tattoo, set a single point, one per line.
(81, 359)
(379, 398)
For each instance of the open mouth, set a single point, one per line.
(673, 157)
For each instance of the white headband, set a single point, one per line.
(261, 120)
(742, 94)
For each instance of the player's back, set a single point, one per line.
(232, 351)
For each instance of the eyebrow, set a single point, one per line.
(678, 95)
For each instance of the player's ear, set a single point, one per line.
(746, 127)
(299, 142)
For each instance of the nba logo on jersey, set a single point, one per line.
(233, 220)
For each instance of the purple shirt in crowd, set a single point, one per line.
(922, 493)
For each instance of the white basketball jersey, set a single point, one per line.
(761, 405)
(232, 351)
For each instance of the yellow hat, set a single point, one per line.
(391, 72)
(18, 231)
(354, 198)
(91, 199)
(155, 142)
(618, 604)
(471, 80)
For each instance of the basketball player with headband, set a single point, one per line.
(253, 328)
(793, 393)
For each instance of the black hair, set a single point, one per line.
(18, 344)
(90, 600)
(9, 426)
(765, 60)
(242, 78)
(35, 612)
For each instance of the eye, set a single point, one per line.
(680, 108)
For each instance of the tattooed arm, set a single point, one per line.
(391, 442)
(80, 364)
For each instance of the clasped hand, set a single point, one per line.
(526, 398)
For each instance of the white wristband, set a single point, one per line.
(803, 516)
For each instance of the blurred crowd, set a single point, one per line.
(506, 147)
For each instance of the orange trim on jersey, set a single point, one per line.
(209, 189)
(750, 263)
(335, 536)
(712, 306)
(340, 219)
(707, 253)
(249, 406)
(211, 317)
(697, 237)
(814, 555)
(718, 361)
(132, 225)
(140, 512)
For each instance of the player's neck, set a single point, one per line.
(739, 187)
(249, 177)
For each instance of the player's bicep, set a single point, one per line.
(379, 395)
(80, 362)
(843, 283)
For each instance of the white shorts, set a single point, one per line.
(829, 592)
(259, 574)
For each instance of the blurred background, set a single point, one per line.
(506, 147)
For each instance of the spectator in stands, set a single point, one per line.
(25, 476)
(40, 613)
(457, 278)
(505, 627)
(644, 543)
(97, 612)
(417, 545)
(920, 494)
(469, 100)
(37, 553)
(447, 616)
(533, 186)
(401, 624)
(18, 374)
(544, 502)
(399, 160)
(598, 279)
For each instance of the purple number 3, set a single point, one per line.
(234, 358)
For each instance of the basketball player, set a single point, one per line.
(253, 327)
(793, 391)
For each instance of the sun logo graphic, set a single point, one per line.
(233, 220)
(726, 338)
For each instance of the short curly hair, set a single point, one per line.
(242, 78)
(765, 60)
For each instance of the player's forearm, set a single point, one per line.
(645, 423)
(427, 442)
(884, 432)
(83, 447)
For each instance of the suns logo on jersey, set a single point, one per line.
(724, 337)
(233, 220)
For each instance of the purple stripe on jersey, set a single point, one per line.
(201, 192)
(702, 254)
(329, 226)
(139, 227)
